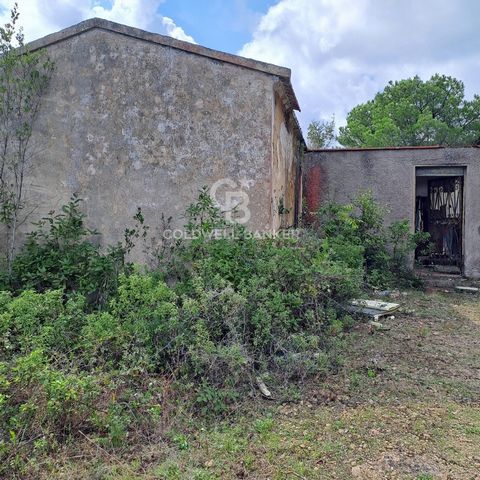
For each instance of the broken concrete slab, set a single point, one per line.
(449, 269)
(376, 304)
(372, 308)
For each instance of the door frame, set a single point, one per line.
(440, 171)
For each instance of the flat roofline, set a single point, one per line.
(99, 23)
(366, 149)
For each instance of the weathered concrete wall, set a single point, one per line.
(127, 123)
(337, 175)
(286, 148)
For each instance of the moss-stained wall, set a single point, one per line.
(128, 123)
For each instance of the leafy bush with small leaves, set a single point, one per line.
(138, 329)
(248, 297)
(225, 309)
(355, 234)
(403, 243)
(62, 254)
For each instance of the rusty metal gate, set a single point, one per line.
(444, 219)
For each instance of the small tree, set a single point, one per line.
(24, 76)
(321, 133)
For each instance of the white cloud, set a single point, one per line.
(175, 31)
(41, 17)
(342, 52)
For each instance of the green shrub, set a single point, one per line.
(147, 311)
(45, 321)
(355, 234)
(139, 328)
(61, 254)
(225, 309)
(404, 243)
(43, 404)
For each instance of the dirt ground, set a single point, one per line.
(404, 405)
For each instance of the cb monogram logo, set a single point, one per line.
(232, 199)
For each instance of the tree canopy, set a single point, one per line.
(321, 133)
(415, 112)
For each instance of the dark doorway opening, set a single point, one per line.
(439, 211)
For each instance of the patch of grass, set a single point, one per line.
(181, 441)
(356, 381)
(421, 408)
(168, 471)
(264, 425)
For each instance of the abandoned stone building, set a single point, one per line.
(134, 119)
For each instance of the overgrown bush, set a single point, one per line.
(224, 310)
(356, 234)
(62, 254)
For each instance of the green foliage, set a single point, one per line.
(254, 305)
(355, 235)
(139, 329)
(24, 77)
(415, 112)
(403, 243)
(237, 308)
(226, 309)
(60, 254)
(203, 217)
(59, 375)
(264, 425)
(321, 133)
(40, 321)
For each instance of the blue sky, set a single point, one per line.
(222, 25)
(341, 52)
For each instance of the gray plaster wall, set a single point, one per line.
(286, 149)
(337, 175)
(127, 123)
